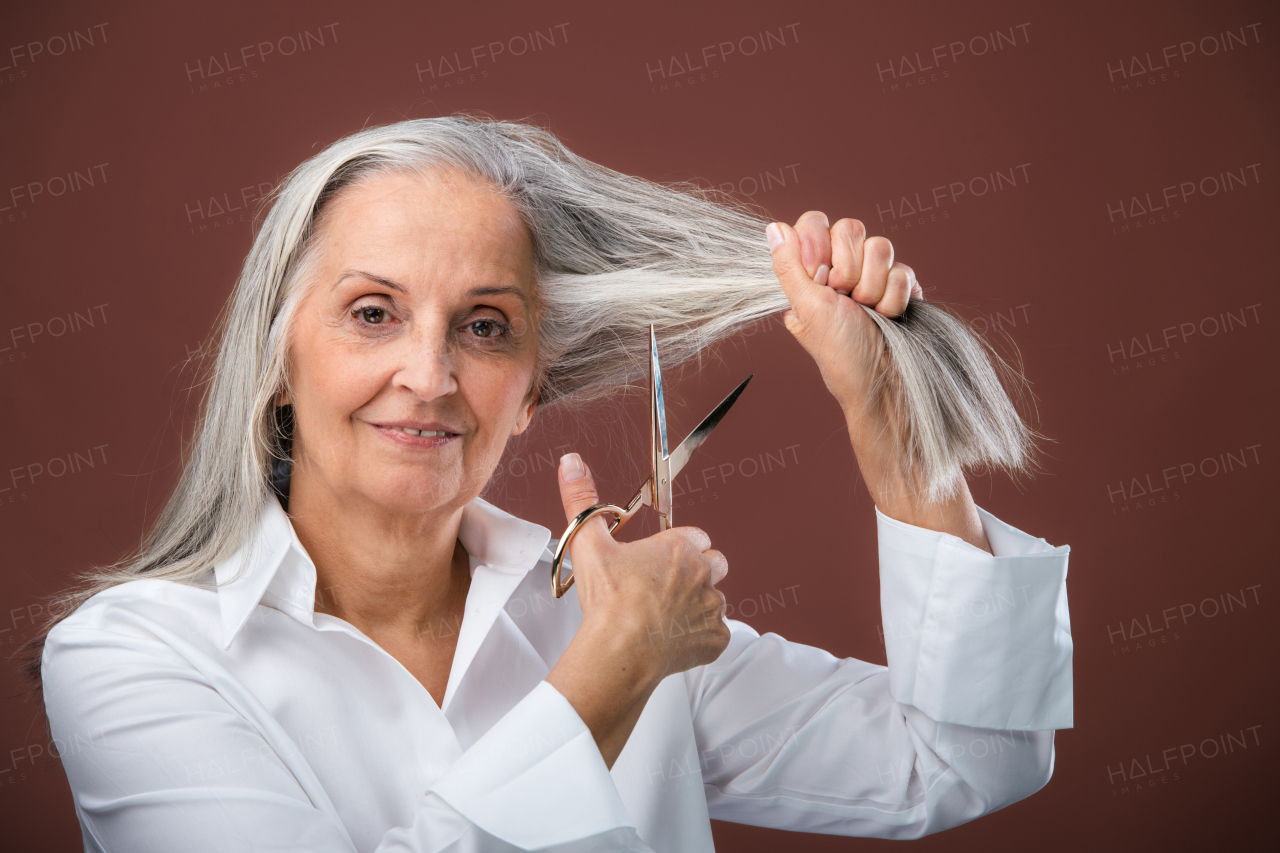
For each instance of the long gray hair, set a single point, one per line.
(613, 253)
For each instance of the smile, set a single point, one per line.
(423, 436)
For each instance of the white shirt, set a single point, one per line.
(238, 718)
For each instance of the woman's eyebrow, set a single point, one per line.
(491, 290)
(385, 282)
(498, 291)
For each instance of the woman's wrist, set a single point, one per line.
(903, 499)
(607, 678)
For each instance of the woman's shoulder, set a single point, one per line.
(143, 606)
(119, 644)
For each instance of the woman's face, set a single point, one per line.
(418, 318)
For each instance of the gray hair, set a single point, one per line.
(613, 254)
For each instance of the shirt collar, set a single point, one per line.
(272, 564)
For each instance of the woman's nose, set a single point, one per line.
(427, 367)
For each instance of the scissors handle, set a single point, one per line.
(558, 587)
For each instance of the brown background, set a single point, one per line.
(1065, 260)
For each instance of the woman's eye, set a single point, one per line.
(485, 329)
(373, 316)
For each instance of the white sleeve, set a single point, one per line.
(958, 725)
(140, 723)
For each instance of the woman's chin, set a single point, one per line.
(417, 497)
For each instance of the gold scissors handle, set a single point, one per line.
(559, 587)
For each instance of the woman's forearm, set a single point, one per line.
(607, 683)
(878, 459)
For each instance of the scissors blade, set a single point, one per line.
(661, 482)
(694, 440)
(659, 412)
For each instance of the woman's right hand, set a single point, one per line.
(649, 609)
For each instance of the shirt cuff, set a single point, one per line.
(972, 638)
(536, 779)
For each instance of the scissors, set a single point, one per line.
(656, 492)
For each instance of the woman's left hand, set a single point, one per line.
(827, 272)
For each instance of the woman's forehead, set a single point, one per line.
(433, 217)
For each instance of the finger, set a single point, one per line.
(694, 538)
(877, 259)
(847, 239)
(815, 241)
(719, 566)
(784, 244)
(578, 492)
(714, 604)
(917, 292)
(897, 292)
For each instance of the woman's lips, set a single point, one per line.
(423, 436)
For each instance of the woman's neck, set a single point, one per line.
(387, 573)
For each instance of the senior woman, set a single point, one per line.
(329, 642)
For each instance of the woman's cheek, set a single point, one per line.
(356, 378)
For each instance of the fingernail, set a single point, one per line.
(820, 277)
(774, 233)
(571, 467)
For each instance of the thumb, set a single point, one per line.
(788, 266)
(578, 492)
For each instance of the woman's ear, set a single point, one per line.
(530, 403)
(283, 399)
(526, 415)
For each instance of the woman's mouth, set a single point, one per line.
(430, 433)
(420, 435)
